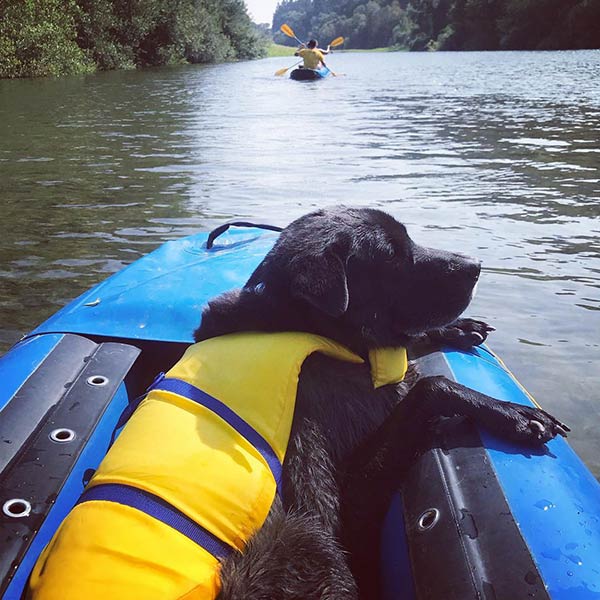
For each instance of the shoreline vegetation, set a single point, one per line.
(444, 24)
(63, 37)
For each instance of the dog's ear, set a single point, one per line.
(321, 281)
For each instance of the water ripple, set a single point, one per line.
(492, 154)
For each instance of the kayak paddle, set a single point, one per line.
(282, 71)
(285, 28)
(337, 42)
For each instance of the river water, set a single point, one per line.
(492, 154)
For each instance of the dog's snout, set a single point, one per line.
(467, 265)
(473, 268)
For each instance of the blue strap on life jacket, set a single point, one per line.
(161, 510)
(187, 390)
(157, 507)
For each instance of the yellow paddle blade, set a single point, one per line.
(282, 71)
(337, 42)
(287, 30)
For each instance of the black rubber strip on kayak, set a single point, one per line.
(66, 394)
(464, 542)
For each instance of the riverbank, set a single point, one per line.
(275, 50)
(382, 49)
(63, 37)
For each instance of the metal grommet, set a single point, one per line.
(97, 380)
(428, 519)
(62, 435)
(16, 508)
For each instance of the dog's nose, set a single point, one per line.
(470, 267)
(474, 268)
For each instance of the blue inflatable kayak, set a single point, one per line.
(305, 74)
(476, 517)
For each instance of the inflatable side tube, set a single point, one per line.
(45, 426)
(481, 517)
(553, 497)
(463, 540)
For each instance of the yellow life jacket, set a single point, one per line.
(312, 57)
(192, 475)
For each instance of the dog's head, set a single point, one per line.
(351, 274)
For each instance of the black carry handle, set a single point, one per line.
(215, 233)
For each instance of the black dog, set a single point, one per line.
(355, 276)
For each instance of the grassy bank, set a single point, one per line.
(280, 50)
(382, 49)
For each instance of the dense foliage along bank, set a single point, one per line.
(57, 37)
(446, 24)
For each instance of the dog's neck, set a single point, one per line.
(387, 365)
(240, 310)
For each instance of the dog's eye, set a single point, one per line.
(384, 254)
(389, 259)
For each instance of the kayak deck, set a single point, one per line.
(516, 520)
(305, 74)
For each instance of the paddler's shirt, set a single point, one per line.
(312, 58)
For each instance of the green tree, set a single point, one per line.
(53, 37)
(38, 37)
(446, 24)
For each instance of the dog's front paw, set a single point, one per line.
(462, 334)
(527, 424)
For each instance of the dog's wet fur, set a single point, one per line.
(355, 276)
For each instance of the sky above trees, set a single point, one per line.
(261, 11)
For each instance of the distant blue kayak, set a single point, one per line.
(476, 517)
(304, 74)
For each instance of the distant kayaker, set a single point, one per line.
(312, 55)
